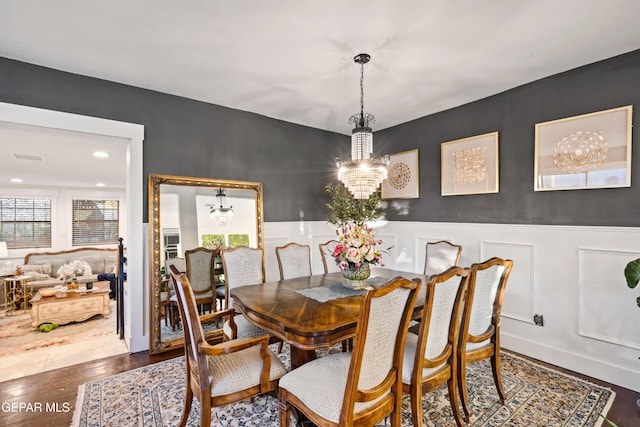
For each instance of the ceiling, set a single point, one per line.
(293, 60)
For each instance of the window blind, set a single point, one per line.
(25, 222)
(95, 222)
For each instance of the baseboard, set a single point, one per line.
(599, 369)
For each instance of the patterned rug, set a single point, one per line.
(537, 396)
(18, 336)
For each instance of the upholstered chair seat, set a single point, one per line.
(234, 372)
(320, 385)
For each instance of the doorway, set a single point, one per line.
(136, 296)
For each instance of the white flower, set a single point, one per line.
(74, 268)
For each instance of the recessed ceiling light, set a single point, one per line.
(16, 180)
(100, 154)
(100, 184)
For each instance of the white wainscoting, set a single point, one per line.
(573, 276)
(519, 296)
(601, 300)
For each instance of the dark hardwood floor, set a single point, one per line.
(58, 389)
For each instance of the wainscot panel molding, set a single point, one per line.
(519, 297)
(600, 302)
(548, 273)
(271, 270)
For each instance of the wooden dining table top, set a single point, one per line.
(303, 322)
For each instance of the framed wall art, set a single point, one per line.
(588, 151)
(403, 181)
(470, 165)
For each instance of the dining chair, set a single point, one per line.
(362, 387)
(294, 260)
(326, 252)
(242, 266)
(168, 298)
(480, 330)
(440, 256)
(200, 272)
(224, 373)
(430, 356)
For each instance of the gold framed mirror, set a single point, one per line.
(185, 213)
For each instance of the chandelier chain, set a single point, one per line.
(361, 93)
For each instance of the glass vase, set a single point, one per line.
(356, 276)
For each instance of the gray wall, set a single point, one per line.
(191, 138)
(514, 113)
(185, 137)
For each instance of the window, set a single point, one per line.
(95, 222)
(25, 222)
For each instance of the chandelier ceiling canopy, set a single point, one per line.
(363, 174)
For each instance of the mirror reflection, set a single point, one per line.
(191, 221)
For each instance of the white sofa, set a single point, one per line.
(43, 266)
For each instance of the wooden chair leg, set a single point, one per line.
(188, 400)
(205, 411)
(462, 389)
(453, 398)
(285, 413)
(416, 407)
(497, 375)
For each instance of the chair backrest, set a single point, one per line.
(376, 360)
(440, 324)
(294, 260)
(180, 263)
(326, 251)
(440, 256)
(193, 333)
(481, 319)
(199, 263)
(242, 266)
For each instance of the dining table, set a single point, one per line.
(312, 312)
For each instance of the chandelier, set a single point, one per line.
(221, 213)
(363, 174)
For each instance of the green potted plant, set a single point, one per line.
(345, 209)
(632, 274)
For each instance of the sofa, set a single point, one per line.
(43, 266)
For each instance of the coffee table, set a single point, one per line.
(68, 306)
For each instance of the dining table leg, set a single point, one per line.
(299, 357)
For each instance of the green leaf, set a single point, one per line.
(344, 209)
(632, 273)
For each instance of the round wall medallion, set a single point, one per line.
(399, 176)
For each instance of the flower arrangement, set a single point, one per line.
(75, 268)
(357, 247)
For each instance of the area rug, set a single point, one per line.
(18, 336)
(537, 396)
